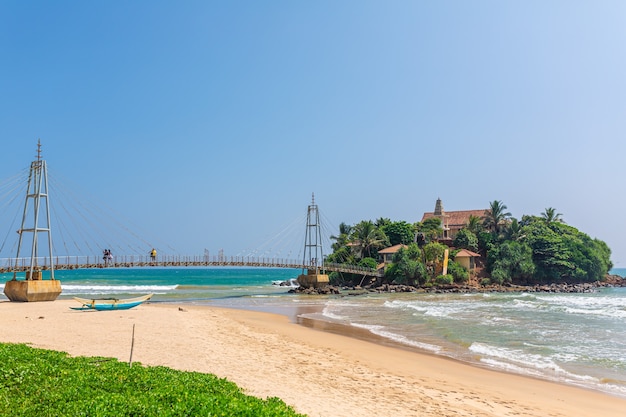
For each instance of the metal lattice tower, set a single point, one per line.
(37, 190)
(313, 251)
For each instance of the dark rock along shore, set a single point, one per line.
(587, 287)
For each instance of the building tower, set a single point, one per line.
(34, 288)
(441, 214)
(313, 257)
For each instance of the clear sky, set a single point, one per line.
(209, 124)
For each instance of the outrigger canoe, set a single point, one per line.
(110, 303)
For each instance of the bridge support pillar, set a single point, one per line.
(32, 290)
(312, 279)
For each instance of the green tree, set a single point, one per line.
(551, 255)
(407, 267)
(457, 271)
(381, 222)
(366, 239)
(430, 229)
(485, 242)
(496, 217)
(475, 225)
(561, 253)
(550, 215)
(513, 231)
(344, 235)
(342, 255)
(368, 263)
(399, 232)
(466, 239)
(433, 254)
(511, 261)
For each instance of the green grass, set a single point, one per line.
(37, 382)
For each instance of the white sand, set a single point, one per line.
(318, 373)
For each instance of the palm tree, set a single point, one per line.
(474, 224)
(367, 238)
(342, 239)
(514, 231)
(382, 221)
(496, 217)
(550, 215)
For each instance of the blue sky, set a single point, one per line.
(209, 124)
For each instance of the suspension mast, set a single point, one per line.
(34, 288)
(313, 257)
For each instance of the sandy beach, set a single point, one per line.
(318, 373)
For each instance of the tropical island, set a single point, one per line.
(473, 249)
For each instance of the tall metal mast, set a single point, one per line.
(313, 239)
(37, 190)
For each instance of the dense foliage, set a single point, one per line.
(36, 382)
(535, 249)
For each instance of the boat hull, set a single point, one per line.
(110, 304)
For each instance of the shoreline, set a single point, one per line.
(318, 372)
(367, 336)
(363, 334)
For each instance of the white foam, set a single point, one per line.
(509, 367)
(380, 331)
(516, 356)
(597, 312)
(530, 364)
(526, 304)
(69, 289)
(328, 314)
(585, 305)
(280, 283)
(428, 309)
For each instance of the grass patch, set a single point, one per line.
(38, 382)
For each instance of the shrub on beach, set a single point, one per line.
(37, 382)
(444, 279)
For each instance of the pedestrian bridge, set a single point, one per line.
(177, 261)
(37, 219)
(77, 227)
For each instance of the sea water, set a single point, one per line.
(577, 339)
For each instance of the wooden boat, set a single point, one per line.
(110, 303)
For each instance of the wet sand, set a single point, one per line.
(319, 373)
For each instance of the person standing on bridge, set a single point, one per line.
(153, 255)
(107, 256)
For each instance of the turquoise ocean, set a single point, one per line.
(576, 339)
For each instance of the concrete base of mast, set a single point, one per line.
(32, 290)
(312, 279)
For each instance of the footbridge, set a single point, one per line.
(176, 261)
(34, 239)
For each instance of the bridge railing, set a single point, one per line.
(81, 261)
(353, 269)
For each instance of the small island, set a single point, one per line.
(469, 251)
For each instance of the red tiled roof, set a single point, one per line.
(457, 218)
(464, 253)
(392, 249)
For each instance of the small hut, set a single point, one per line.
(467, 259)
